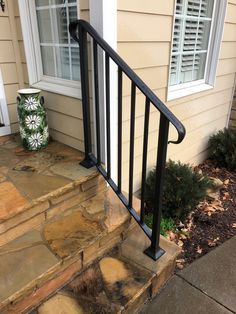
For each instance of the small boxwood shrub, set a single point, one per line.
(223, 148)
(183, 190)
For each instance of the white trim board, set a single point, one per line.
(4, 117)
(103, 17)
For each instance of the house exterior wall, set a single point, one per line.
(144, 41)
(11, 58)
(64, 113)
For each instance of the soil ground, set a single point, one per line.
(214, 220)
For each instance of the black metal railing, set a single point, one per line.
(80, 30)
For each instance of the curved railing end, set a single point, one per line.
(181, 134)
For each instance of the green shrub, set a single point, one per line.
(167, 224)
(183, 190)
(223, 148)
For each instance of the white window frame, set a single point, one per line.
(186, 89)
(33, 55)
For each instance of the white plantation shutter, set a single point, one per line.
(60, 54)
(192, 27)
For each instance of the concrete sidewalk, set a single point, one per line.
(207, 286)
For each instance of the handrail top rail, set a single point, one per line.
(159, 105)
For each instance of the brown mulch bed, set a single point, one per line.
(213, 222)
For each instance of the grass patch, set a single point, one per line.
(167, 224)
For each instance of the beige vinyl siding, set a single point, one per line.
(9, 60)
(144, 41)
(84, 9)
(65, 119)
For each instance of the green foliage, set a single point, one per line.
(183, 190)
(167, 224)
(223, 148)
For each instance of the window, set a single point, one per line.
(52, 55)
(197, 32)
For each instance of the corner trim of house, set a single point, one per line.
(103, 17)
(5, 130)
(4, 110)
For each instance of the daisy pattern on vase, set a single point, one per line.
(32, 122)
(22, 132)
(35, 141)
(31, 103)
(45, 133)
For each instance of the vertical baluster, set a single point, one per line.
(87, 163)
(108, 133)
(119, 128)
(154, 250)
(144, 165)
(131, 149)
(96, 95)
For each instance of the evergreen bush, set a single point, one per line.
(223, 148)
(183, 190)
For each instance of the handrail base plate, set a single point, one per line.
(87, 163)
(154, 255)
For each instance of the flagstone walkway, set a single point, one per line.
(207, 286)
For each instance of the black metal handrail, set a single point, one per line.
(79, 31)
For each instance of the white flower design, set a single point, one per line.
(35, 140)
(22, 132)
(31, 104)
(45, 133)
(33, 122)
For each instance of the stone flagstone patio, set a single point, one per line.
(27, 177)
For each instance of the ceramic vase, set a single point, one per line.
(32, 119)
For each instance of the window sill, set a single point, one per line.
(183, 92)
(71, 89)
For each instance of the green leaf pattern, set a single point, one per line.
(33, 122)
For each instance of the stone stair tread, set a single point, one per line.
(22, 261)
(120, 282)
(133, 249)
(134, 246)
(110, 286)
(75, 237)
(30, 178)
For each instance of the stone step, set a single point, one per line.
(40, 262)
(42, 210)
(120, 282)
(35, 186)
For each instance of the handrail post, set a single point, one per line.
(154, 251)
(87, 162)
